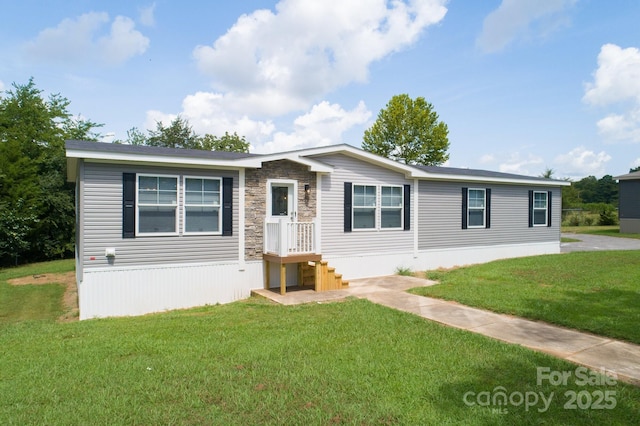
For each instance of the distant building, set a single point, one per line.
(629, 207)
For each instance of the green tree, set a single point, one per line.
(36, 202)
(410, 131)
(178, 134)
(230, 143)
(548, 173)
(634, 169)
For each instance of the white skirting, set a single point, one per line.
(378, 264)
(136, 291)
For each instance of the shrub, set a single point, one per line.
(608, 216)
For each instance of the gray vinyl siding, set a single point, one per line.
(440, 216)
(102, 218)
(334, 240)
(629, 199)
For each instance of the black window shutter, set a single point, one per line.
(347, 206)
(465, 196)
(227, 206)
(407, 207)
(487, 222)
(530, 209)
(128, 205)
(549, 208)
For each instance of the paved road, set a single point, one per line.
(598, 242)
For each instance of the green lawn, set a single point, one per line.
(607, 231)
(256, 363)
(253, 362)
(592, 291)
(42, 302)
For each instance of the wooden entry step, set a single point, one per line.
(322, 276)
(312, 272)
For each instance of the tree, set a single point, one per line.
(634, 169)
(548, 173)
(36, 203)
(408, 130)
(178, 134)
(230, 143)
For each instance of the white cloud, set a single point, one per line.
(617, 82)
(1, 86)
(123, 42)
(147, 17)
(84, 39)
(487, 158)
(581, 162)
(621, 127)
(274, 63)
(636, 163)
(617, 78)
(515, 19)
(521, 165)
(324, 124)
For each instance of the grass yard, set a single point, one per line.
(256, 363)
(33, 301)
(597, 292)
(607, 231)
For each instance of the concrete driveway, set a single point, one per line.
(598, 242)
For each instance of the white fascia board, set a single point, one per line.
(314, 166)
(488, 179)
(249, 162)
(118, 157)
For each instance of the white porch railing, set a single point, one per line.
(285, 238)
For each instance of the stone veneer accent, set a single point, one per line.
(256, 199)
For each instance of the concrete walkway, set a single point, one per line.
(592, 351)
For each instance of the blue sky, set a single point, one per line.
(523, 85)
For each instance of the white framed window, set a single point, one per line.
(202, 202)
(365, 202)
(540, 205)
(476, 207)
(391, 207)
(377, 207)
(157, 204)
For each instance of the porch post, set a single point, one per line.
(283, 279)
(317, 241)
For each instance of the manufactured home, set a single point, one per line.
(161, 228)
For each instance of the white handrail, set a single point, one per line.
(286, 238)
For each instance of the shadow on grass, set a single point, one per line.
(510, 394)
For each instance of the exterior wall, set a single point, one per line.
(358, 242)
(102, 209)
(256, 199)
(142, 290)
(440, 221)
(629, 226)
(629, 196)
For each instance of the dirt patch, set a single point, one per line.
(70, 297)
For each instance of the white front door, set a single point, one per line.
(281, 200)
